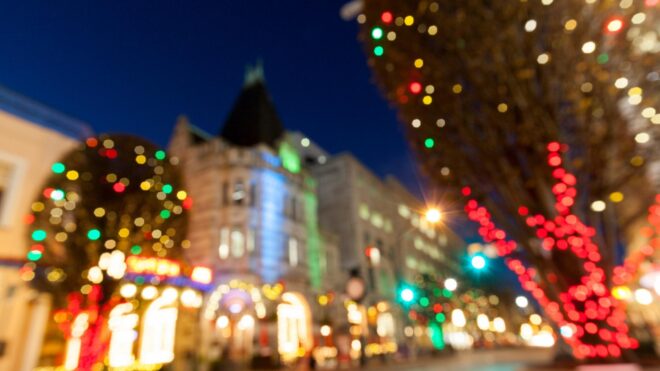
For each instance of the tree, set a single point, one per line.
(487, 92)
(112, 197)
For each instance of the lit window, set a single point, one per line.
(237, 243)
(238, 193)
(364, 211)
(293, 252)
(223, 250)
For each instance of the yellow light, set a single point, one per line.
(293, 326)
(326, 330)
(526, 331)
(570, 25)
(37, 207)
(502, 107)
(202, 275)
(181, 195)
(433, 30)
(427, 100)
(222, 322)
(95, 275)
(616, 196)
(419, 62)
(99, 212)
(499, 324)
(634, 91)
(433, 215)
(457, 88)
(72, 175)
(121, 325)
(123, 232)
(149, 293)
(458, 318)
(535, 319)
(323, 300)
(145, 185)
(409, 20)
(140, 159)
(622, 293)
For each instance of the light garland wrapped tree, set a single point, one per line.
(113, 197)
(544, 115)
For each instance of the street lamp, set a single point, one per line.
(433, 215)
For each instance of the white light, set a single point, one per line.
(122, 324)
(158, 329)
(149, 293)
(546, 2)
(526, 331)
(433, 215)
(74, 343)
(458, 318)
(246, 322)
(356, 345)
(483, 322)
(543, 339)
(499, 324)
(190, 298)
(522, 302)
(588, 47)
(621, 83)
(642, 138)
(304, 142)
(128, 290)
(535, 319)
(530, 25)
(95, 275)
(566, 331)
(326, 330)
(643, 296)
(543, 58)
(451, 284)
(598, 206)
(416, 123)
(222, 322)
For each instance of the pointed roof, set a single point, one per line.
(253, 119)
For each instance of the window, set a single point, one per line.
(223, 249)
(238, 193)
(293, 252)
(237, 243)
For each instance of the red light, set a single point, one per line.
(415, 87)
(111, 153)
(386, 17)
(92, 142)
(118, 187)
(553, 147)
(614, 25)
(466, 191)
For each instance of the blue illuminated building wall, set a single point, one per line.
(271, 224)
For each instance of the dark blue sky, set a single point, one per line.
(133, 66)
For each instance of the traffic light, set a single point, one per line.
(478, 262)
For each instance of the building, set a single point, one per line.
(255, 223)
(33, 137)
(384, 237)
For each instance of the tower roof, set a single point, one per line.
(253, 119)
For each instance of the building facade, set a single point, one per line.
(254, 222)
(33, 137)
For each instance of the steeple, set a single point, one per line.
(253, 119)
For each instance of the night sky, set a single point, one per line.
(134, 66)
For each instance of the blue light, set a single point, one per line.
(271, 225)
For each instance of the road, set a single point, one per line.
(483, 360)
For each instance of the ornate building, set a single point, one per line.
(254, 221)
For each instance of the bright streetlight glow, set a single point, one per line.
(433, 215)
(522, 302)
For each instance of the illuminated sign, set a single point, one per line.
(156, 266)
(159, 328)
(122, 324)
(74, 343)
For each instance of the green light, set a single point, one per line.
(167, 188)
(290, 158)
(165, 214)
(39, 235)
(160, 155)
(58, 168)
(93, 234)
(34, 255)
(424, 302)
(437, 338)
(446, 293)
(136, 249)
(437, 292)
(139, 280)
(440, 317)
(377, 33)
(603, 58)
(378, 51)
(429, 143)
